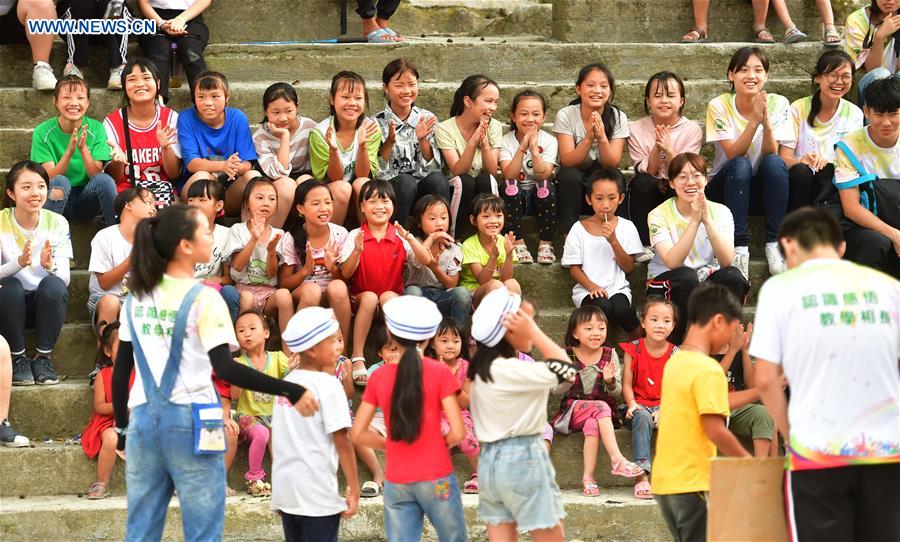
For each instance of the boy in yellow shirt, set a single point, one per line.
(693, 408)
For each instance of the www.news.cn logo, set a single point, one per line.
(93, 27)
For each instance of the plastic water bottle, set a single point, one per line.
(176, 72)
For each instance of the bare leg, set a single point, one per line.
(357, 187)
(367, 302)
(41, 44)
(339, 300)
(608, 436)
(503, 532)
(761, 447)
(285, 186)
(340, 193)
(245, 301)
(307, 294)
(555, 534)
(513, 286)
(196, 176)
(106, 459)
(825, 12)
(591, 446)
(701, 13)
(781, 11)
(760, 12)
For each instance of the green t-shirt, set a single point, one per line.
(49, 142)
(473, 252)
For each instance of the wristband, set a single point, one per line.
(121, 430)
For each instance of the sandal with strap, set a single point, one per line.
(589, 487)
(259, 488)
(793, 35)
(626, 469)
(522, 255)
(832, 37)
(98, 490)
(360, 375)
(763, 36)
(471, 485)
(642, 490)
(370, 490)
(702, 37)
(546, 255)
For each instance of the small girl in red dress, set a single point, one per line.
(99, 438)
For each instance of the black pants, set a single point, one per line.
(858, 503)
(570, 195)
(528, 202)
(470, 188)
(808, 188)
(685, 515)
(618, 310)
(642, 196)
(870, 248)
(158, 48)
(78, 44)
(43, 309)
(677, 285)
(366, 8)
(409, 189)
(310, 529)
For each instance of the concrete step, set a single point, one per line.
(666, 21)
(437, 59)
(238, 20)
(65, 470)
(614, 516)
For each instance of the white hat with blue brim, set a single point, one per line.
(412, 317)
(309, 327)
(487, 322)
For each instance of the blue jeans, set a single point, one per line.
(160, 452)
(232, 298)
(641, 433)
(453, 302)
(405, 505)
(742, 191)
(43, 309)
(866, 80)
(410, 189)
(97, 195)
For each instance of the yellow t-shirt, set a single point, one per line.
(473, 252)
(693, 384)
(254, 403)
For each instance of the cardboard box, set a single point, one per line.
(746, 500)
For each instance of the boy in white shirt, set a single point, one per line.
(306, 451)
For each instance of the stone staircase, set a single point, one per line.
(522, 44)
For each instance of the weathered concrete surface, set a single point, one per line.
(614, 516)
(438, 59)
(666, 21)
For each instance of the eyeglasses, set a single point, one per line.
(834, 78)
(696, 176)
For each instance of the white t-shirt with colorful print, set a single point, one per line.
(883, 162)
(208, 326)
(725, 123)
(855, 32)
(254, 274)
(834, 327)
(667, 224)
(320, 274)
(569, 122)
(51, 227)
(821, 138)
(547, 146)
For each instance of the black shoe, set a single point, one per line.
(22, 374)
(42, 368)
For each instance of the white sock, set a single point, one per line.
(742, 250)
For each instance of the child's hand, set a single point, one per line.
(629, 414)
(232, 165)
(25, 256)
(294, 361)
(526, 142)
(256, 225)
(232, 429)
(737, 340)
(368, 129)
(166, 136)
(352, 503)
(493, 251)
(116, 154)
(478, 134)
(358, 243)
(332, 249)
(308, 404)
(273, 244)
(309, 264)
(698, 208)
(609, 372)
(520, 322)
(485, 142)
(178, 25)
(424, 127)
(73, 142)
(82, 139)
(760, 112)
(509, 243)
(608, 231)
(655, 416)
(47, 256)
(663, 139)
(401, 231)
(748, 334)
(330, 139)
(888, 26)
(280, 133)
(391, 136)
(596, 291)
(597, 129)
(441, 238)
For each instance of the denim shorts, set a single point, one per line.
(517, 484)
(92, 301)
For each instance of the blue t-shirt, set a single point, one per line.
(199, 140)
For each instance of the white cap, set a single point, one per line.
(487, 322)
(412, 317)
(309, 327)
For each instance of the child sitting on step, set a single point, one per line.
(254, 409)
(98, 438)
(642, 380)
(488, 256)
(589, 403)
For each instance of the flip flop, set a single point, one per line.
(379, 36)
(642, 490)
(370, 490)
(360, 376)
(393, 34)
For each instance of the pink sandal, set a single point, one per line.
(471, 485)
(626, 469)
(589, 487)
(642, 490)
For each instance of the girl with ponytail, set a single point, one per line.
(419, 476)
(820, 121)
(177, 332)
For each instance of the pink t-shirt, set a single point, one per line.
(428, 457)
(462, 369)
(684, 136)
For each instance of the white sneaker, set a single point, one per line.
(646, 256)
(72, 69)
(42, 77)
(115, 78)
(742, 261)
(775, 259)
